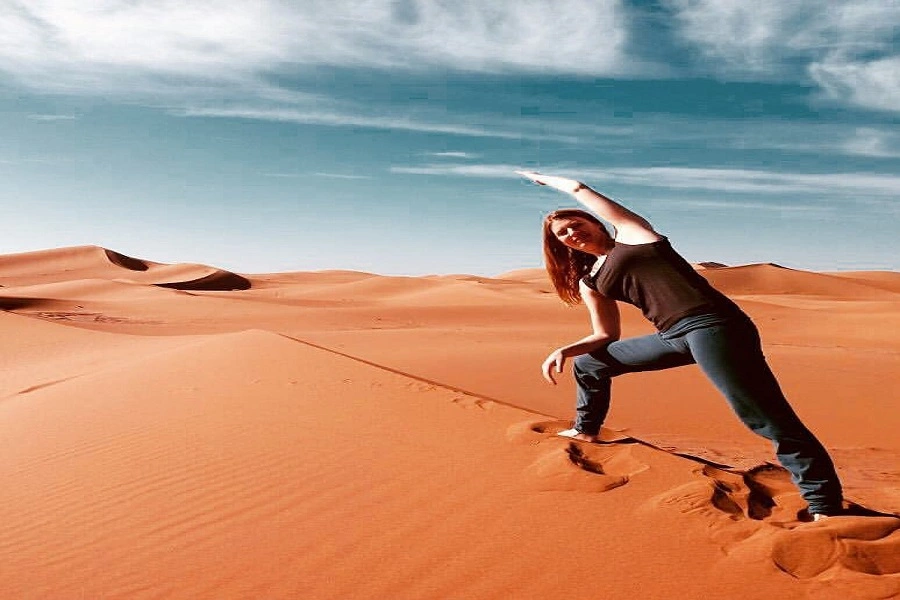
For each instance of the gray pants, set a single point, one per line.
(728, 351)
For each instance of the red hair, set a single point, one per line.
(567, 266)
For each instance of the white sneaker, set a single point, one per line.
(577, 435)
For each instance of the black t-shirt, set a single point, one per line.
(659, 281)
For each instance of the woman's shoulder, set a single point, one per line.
(648, 241)
(637, 233)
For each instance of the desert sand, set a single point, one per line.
(182, 431)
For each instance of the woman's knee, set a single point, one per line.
(588, 365)
(785, 429)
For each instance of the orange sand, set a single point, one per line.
(182, 431)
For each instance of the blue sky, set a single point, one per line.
(382, 136)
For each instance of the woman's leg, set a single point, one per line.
(593, 373)
(731, 356)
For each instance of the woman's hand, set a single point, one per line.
(563, 184)
(554, 362)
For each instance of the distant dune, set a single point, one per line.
(774, 279)
(185, 431)
(93, 262)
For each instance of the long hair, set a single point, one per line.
(567, 266)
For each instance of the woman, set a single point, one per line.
(695, 323)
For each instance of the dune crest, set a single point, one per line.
(126, 262)
(709, 265)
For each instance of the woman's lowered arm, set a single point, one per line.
(605, 326)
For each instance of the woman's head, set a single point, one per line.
(573, 239)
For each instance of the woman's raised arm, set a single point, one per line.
(631, 228)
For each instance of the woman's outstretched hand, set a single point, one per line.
(563, 184)
(554, 362)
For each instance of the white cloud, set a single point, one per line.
(57, 44)
(847, 47)
(304, 175)
(873, 84)
(40, 117)
(722, 180)
(351, 118)
(764, 36)
(781, 207)
(72, 46)
(209, 49)
(789, 138)
(754, 181)
(872, 142)
(284, 175)
(740, 35)
(341, 176)
(462, 155)
(490, 171)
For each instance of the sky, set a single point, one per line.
(383, 136)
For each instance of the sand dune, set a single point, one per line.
(63, 264)
(887, 280)
(91, 262)
(776, 280)
(538, 276)
(349, 435)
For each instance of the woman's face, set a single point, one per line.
(581, 234)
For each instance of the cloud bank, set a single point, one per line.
(845, 47)
(105, 42)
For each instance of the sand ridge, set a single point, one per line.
(349, 435)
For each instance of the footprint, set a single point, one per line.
(420, 386)
(875, 557)
(533, 433)
(842, 557)
(762, 493)
(804, 554)
(740, 509)
(573, 466)
(862, 544)
(757, 516)
(473, 402)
